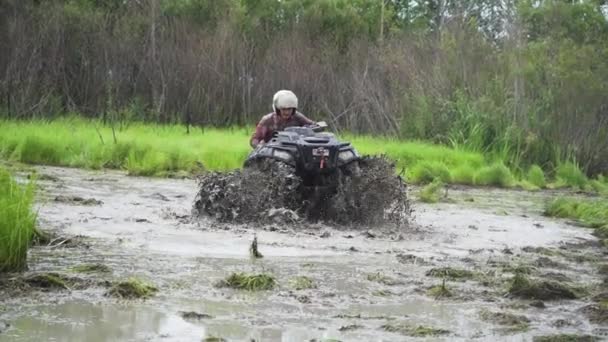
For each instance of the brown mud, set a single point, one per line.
(358, 283)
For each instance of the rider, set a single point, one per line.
(285, 104)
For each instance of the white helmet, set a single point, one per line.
(284, 99)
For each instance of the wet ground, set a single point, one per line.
(450, 271)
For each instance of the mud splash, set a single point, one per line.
(367, 192)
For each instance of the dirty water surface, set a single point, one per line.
(484, 266)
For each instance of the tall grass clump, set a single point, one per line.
(496, 174)
(536, 176)
(427, 171)
(464, 174)
(593, 213)
(17, 222)
(430, 193)
(569, 174)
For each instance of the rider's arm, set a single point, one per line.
(303, 120)
(258, 136)
(261, 131)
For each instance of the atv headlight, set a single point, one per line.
(282, 155)
(346, 156)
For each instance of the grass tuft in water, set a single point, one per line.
(47, 281)
(593, 213)
(565, 338)
(521, 286)
(91, 268)
(439, 291)
(383, 279)
(414, 331)
(17, 222)
(430, 192)
(518, 269)
(450, 273)
(514, 322)
(214, 339)
(302, 283)
(132, 288)
(250, 282)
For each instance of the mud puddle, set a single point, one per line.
(367, 284)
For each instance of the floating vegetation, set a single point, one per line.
(302, 283)
(430, 192)
(382, 279)
(523, 287)
(518, 269)
(91, 268)
(350, 327)
(414, 331)
(565, 338)
(382, 293)
(77, 200)
(451, 273)
(132, 288)
(194, 315)
(214, 339)
(597, 313)
(250, 282)
(48, 281)
(439, 291)
(514, 322)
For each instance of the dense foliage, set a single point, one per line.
(523, 81)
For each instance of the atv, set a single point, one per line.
(317, 157)
(310, 174)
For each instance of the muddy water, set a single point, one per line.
(365, 279)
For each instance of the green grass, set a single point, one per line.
(565, 338)
(569, 174)
(250, 282)
(536, 176)
(591, 212)
(451, 273)
(91, 268)
(302, 283)
(132, 288)
(496, 174)
(414, 330)
(149, 149)
(161, 150)
(139, 148)
(430, 193)
(17, 222)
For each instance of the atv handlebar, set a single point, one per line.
(318, 126)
